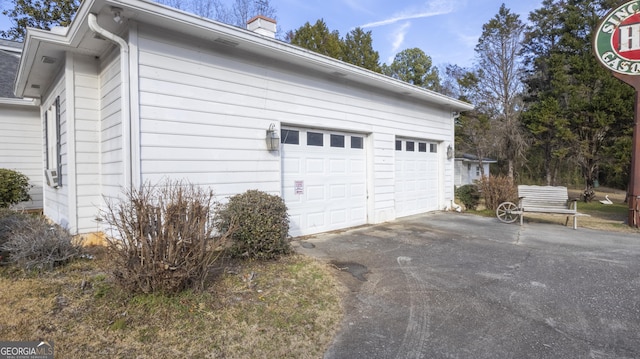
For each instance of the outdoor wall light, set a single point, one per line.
(273, 140)
(449, 152)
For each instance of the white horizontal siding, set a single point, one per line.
(111, 161)
(87, 157)
(21, 147)
(201, 127)
(56, 200)
(204, 115)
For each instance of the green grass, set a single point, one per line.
(611, 217)
(596, 209)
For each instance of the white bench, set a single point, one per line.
(540, 199)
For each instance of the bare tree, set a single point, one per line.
(498, 57)
(237, 14)
(178, 4)
(243, 10)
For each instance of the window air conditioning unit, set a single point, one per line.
(52, 178)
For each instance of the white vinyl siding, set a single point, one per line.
(204, 114)
(56, 200)
(111, 161)
(197, 124)
(87, 158)
(21, 147)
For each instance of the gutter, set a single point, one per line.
(125, 94)
(19, 102)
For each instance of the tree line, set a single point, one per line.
(544, 107)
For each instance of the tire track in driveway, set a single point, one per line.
(418, 326)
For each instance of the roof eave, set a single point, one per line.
(286, 50)
(35, 37)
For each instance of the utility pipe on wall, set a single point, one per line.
(125, 93)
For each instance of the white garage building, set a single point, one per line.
(165, 94)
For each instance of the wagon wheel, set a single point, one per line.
(507, 212)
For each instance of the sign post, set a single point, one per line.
(616, 45)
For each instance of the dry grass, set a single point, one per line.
(285, 309)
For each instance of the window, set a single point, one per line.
(410, 146)
(478, 171)
(422, 147)
(291, 137)
(433, 148)
(337, 141)
(314, 139)
(398, 145)
(357, 142)
(53, 170)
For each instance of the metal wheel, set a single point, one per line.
(507, 212)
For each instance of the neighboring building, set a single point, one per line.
(467, 169)
(134, 91)
(20, 128)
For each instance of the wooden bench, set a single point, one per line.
(547, 199)
(540, 199)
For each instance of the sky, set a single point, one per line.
(446, 30)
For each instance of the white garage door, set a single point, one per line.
(417, 177)
(323, 179)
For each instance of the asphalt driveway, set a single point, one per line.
(451, 285)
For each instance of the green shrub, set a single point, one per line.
(497, 189)
(163, 238)
(263, 225)
(14, 188)
(469, 196)
(33, 243)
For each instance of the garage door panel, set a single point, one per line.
(315, 219)
(358, 190)
(315, 193)
(314, 165)
(293, 164)
(417, 178)
(338, 216)
(329, 191)
(338, 191)
(338, 166)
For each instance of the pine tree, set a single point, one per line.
(40, 14)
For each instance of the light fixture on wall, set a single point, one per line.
(117, 14)
(449, 152)
(273, 140)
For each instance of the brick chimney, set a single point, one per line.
(262, 25)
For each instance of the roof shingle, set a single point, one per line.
(8, 70)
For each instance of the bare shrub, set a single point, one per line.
(9, 220)
(33, 243)
(263, 225)
(163, 238)
(497, 189)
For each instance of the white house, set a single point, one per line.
(467, 169)
(20, 128)
(133, 91)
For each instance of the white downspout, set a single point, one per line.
(125, 93)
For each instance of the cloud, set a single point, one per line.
(358, 6)
(398, 39)
(430, 8)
